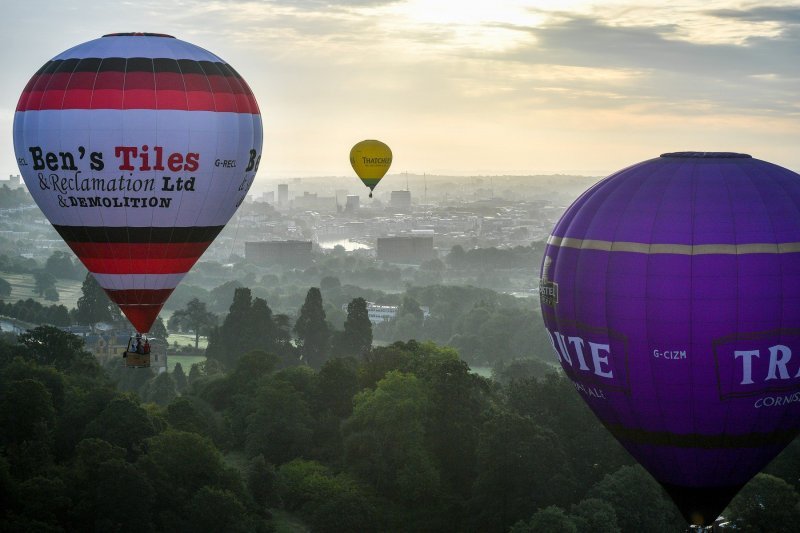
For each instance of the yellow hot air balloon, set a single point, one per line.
(370, 159)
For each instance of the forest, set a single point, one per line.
(312, 425)
(310, 418)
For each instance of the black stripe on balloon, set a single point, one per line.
(162, 64)
(697, 440)
(114, 64)
(138, 64)
(67, 65)
(138, 235)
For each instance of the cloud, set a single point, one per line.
(760, 75)
(779, 14)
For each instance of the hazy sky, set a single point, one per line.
(468, 86)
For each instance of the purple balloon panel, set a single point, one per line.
(671, 292)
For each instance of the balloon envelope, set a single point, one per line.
(138, 148)
(671, 293)
(371, 160)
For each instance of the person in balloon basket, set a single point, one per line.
(146, 347)
(138, 348)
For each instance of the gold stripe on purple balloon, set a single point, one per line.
(676, 249)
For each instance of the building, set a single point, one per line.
(313, 202)
(406, 250)
(352, 203)
(400, 200)
(14, 182)
(283, 193)
(287, 253)
(383, 313)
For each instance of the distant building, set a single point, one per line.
(352, 204)
(313, 202)
(288, 253)
(283, 193)
(400, 200)
(268, 197)
(383, 313)
(408, 250)
(14, 181)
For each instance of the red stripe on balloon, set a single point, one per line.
(138, 258)
(139, 266)
(138, 90)
(140, 306)
(139, 296)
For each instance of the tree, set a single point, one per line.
(61, 265)
(458, 399)
(357, 336)
(638, 500)
(262, 325)
(329, 283)
(248, 326)
(43, 281)
(194, 373)
(94, 305)
(280, 427)
(765, 504)
(384, 440)
(312, 331)
(261, 482)
(521, 466)
(194, 317)
(180, 377)
(158, 330)
(123, 423)
(48, 345)
(51, 294)
(336, 386)
(178, 464)
(551, 519)
(123, 498)
(283, 340)
(26, 411)
(215, 510)
(329, 502)
(44, 498)
(5, 288)
(594, 516)
(457, 257)
(161, 389)
(410, 306)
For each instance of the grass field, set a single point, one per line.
(187, 339)
(186, 361)
(22, 286)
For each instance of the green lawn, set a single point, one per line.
(186, 361)
(22, 286)
(187, 339)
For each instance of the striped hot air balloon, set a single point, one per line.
(138, 148)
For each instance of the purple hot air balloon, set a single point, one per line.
(671, 292)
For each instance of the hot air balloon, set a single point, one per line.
(370, 159)
(138, 148)
(671, 293)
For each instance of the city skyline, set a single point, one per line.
(469, 88)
